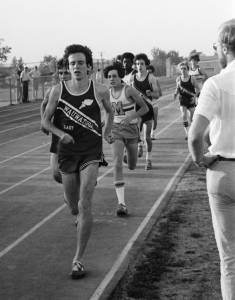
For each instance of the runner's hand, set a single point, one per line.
(125, 121)
(109, 138)
(44, 130)
(67, 139)
(148, 93)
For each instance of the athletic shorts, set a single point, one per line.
(129, 134)
(149, 115)
(75, 163)
(54, 143)
(188, 103)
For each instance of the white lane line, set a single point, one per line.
(169, 125)
(32, 230)
(16, 127)
(157, 205)
(23, 153)
(20, 119)
(54, 213)
(41, 223)
(20, 112)
(19, 138)
(23, 181)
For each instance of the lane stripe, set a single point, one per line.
(157, 205)
(54, 213)
(23, 153)
(19, 138)
(23, 181)
(41, 223)
(24, 125)
(19, 119)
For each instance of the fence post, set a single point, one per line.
(10, 85)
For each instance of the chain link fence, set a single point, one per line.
(11, 89)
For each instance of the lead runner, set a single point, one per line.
(76, 105)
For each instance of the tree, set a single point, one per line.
(174, 57)
(159, 61)
(4, 50)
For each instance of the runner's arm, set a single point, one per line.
(156, 90)
(203, 73)
(104, 97)
(177, 88)
(196, 86)
(134, 96)
(44, 102)
(48, 114)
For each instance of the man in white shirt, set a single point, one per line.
(35, 75)
(25, 79)
(216, 108)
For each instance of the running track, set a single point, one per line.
(37, 232)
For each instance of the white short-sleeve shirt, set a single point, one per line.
(217, 104)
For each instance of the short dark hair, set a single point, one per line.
(151, 67)
(227, 34)
(128, 55)
(115, 66)
(195, 57)
(144, 57)
(183, 63)
(76, 48)
(61, 64)
(118, 57)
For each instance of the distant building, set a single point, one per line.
(210, 64)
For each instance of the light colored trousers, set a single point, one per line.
(221, 192)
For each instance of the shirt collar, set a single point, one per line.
(230, 66)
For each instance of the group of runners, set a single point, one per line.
(188, 87)
(72, 110)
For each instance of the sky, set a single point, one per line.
(45, 27)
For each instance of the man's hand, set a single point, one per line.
(207, 161)
(67, 139)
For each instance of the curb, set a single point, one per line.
(110, 281)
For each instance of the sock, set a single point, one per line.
(120, 191)
(149, 156)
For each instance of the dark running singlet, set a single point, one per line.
(79, 115)
(142, 87)
(186, 92)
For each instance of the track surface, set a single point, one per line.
(37, 232)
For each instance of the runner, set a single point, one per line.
(151, 70)
(125, 129)
(76, 105)
(148, 87)
(188, 89)
(196, 71)
(63, 75)
(127, 63)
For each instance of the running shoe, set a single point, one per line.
(78, 270)
(148, 165)
(140, 150)
(122, 210)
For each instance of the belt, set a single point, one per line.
(221, 158)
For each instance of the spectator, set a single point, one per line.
(25, 79)
(35, 75)
(216, 107)
(18, 83)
